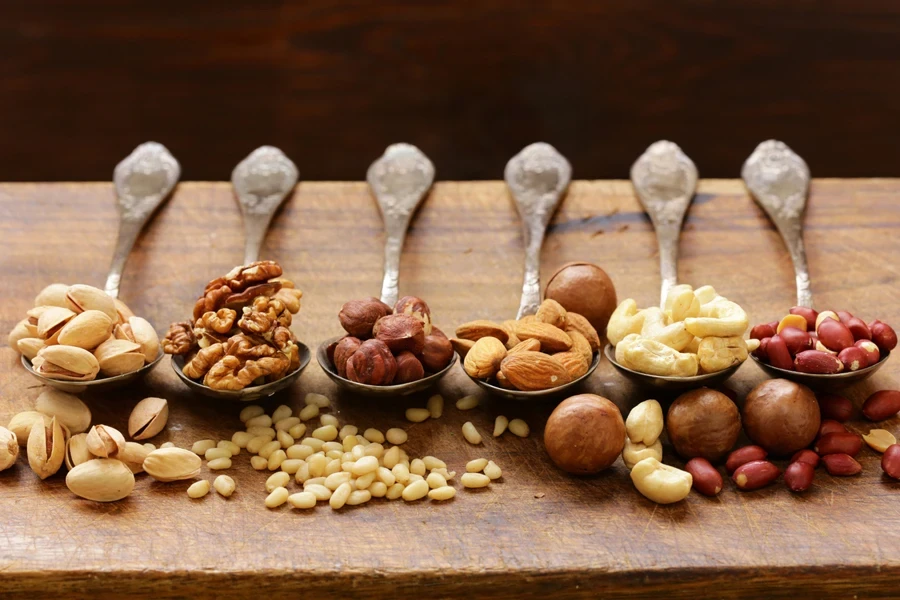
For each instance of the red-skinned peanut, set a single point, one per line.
(835, 406)
(778, 353)
(890, 461)
(853, 358)
(834, 335)
(744, 455)
(871, 349)
(761, 331)
(881, 405)
(818, 362)
(806, 456)
(755, 474)
(859, 329)
(844, 316)
(808, 314)
(707, 480)
(841, 465)
(799, 476)
(795, 339)
(839, 443)
(883, 335)
(830, 426)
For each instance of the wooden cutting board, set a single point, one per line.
(536, 532)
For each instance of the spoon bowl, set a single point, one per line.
(248, 394)
(377, 391)
(670, 384)
(822, 381)
(96, 385)
(538, 395)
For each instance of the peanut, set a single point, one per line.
(841, 465)
(744, 455)
(806, 456)
(839, 443)
(706, 479)
(880, 439)
(881, 405)
(890, 462)
(799, 476)
(755, 474)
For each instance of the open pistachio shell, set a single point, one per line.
(117, 357)
(51, 321)
(80, 298)
(86, 330)
(66, 363)
(52, 295)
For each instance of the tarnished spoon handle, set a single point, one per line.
(143, 180)
(261, 183)
(537, 178)
(778, 180)
(399, 179)
(665, 180)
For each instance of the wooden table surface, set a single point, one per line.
(538, 531)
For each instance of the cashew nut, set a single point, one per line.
(633, 453)
(661, 483)
(719, 318)
(654, 358)
(719, 353)
(625, 320)
(645, 422)
(681, 303)
(705, 294)
(657, 326)
(693, 346)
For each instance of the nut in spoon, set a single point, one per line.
(399, 180)
(261, 183)
(537, 178)
(143, 181)
(778, 179)
(665, 180)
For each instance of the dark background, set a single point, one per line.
(333, 82)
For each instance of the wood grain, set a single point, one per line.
(538, 532)
(333, 82)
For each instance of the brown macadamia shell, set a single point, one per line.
(703, 423)
(781, 416)
(585, 434)
(586, 289)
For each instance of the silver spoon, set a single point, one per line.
(665, 181)
(537, 178)
(778, 179)
(261, 183)
(143, 181)
(399, 180)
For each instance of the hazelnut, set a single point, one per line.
(585, 434)
(437, 353)
(400, 332)
(703, 423)
(415, 307)
(342, 352)
(372, 364)
(586, 289)
(408, 368)
(358, 317)
(781, 416)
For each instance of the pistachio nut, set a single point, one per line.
(101, 480)
(172, 464)
(9, 448)
(22, 422)
(67, 363)
(51, 322)
(52, 295)
(117, 357)
(148, 418)
(71, 412)
(77, 451)
(104, 441)
(46, 448)
(22, 330)
(33, 314)
(86, 330)
(141, 332)
(29, 347)
(80, 297)
(133, 456)
(125, 313)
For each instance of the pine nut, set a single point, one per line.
(391, 457)
(396, 436)
(347, 430)
(373, 435)
(365, 481)
(340, 496)
(435, 406)
(358, 497)
(198, 489)
(474, 480)
(493, 471)
(302, 500)
(442, 493)
(415, 491)
(201, 446)
(366, 464)
(394, 491)
(314, 481)
(349, 441)
(150, 447)
(302, 474)
(347, 465)
(318, 399)
(313, 443)
(275, 459)
(255, 444)
(266, 431)
(447, 475)
(291, 465)
(241, 438)
(432, 463)
(417, 415)
(374, 449)
(378, 489)
(317, 465)
(268, 448)
(285, 439)
(413, 477)
(417, 467)
(251, 411)
(470, 433)
(319, 491)
(282, 412)
(278, 497)
(335, 479)
(299, 451)
(224, 485)
(275, 480)
(259, 421)
(329, 420)
(214, 453)
(335, 455)
(467, 402)
(230, 446)
(476, 466)
(287, 423)
(333, 466)
(297, 431)
(401, 473)
(519, 427)
(326, 433)
(500, 425)
(259, 463)
(332, 446)
(435, 480)
(219, 464)
(310, 411)
(167, 445)
(385, 476)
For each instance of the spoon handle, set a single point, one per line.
(779, 179)
(399, 179)
(665, 180)
(261, 183)
(142, 181)
(537, 177)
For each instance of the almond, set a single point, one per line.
(576, 322)
(581, 345)
(462, 347)
(475, 330)
(552, 312)
(574, 362)
(552, 339)
(530, 371)
(484, 358)
(526, 346)
(510, 328)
